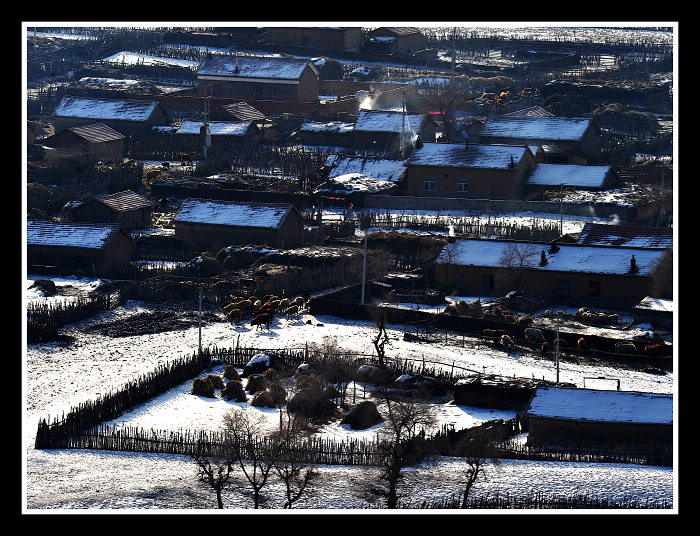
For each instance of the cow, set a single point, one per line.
(234, 315)
(185, 158)
(534, 335)
(261, 320)
(493, 333)
(655, 350)
(151, 176)
(563, 346)
(292, 311)
(625, 348)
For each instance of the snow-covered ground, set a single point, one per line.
(59, 375)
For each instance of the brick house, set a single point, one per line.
(469, 171)
(127, 208)
(91, 247)
(258, 78)
(224, 223)
(92, 142)
(130, 117)
(568, 273)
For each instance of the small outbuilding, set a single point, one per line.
(589, 178)
(127, 208)
(223, 223)
(95, 248)
(556, 413)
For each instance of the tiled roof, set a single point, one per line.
(243, 111)
(97, 133)
(78, 235)
(115, 109)
(125, 201)
(626, 235)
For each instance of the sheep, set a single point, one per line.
(261, 320)
(493, 333)
(292, 311)
(534, 335)
(625, 348)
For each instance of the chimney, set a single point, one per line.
(633, 266)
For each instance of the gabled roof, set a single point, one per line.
(259, 215)
(383, 121)
(353, 183)
(331, 127)
(125, 201)
(574, 258)
(569, 175)
(216, 128)
(254, 68)
(536, 128)
(117, 109)
(96, 133)
(531, 111)
(77, 235)
(626, 235)
(472, 156)
(592, 405)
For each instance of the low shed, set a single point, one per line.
(224, 223)
(131, 210)
(556, 413)
(92, 142)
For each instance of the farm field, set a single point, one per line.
(84, 364)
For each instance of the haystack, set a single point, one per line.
(363, 416)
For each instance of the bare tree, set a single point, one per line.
(515, 259)
(255, 453)
(477, 448)
(216, 472)
(296, 475)
(403, 439)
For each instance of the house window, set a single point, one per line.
(463, 186)
(562, 287)
(488, 282)
(594, 288)
(457, 280)
(429, 185)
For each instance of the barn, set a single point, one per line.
(100, 249)
(127, 208)
(223, 223)
(258, 78)
(130, 117)
(563, 140)
(469, 171)
(585, 275)
(91, 143)
(556, 413)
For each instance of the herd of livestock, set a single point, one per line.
(262, 310)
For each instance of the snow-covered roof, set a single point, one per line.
(122, 110)
(601, 406)
(125, 201)
(536, 128)
(216, 128)
(473, 156)
(383, 169)
(333, 127)
(265, 215)
(655, 304)
(384, 121)
(569, 257)
(256, 68)
(626, 235)
(353, 183)
(568, 175)
(77, 235)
